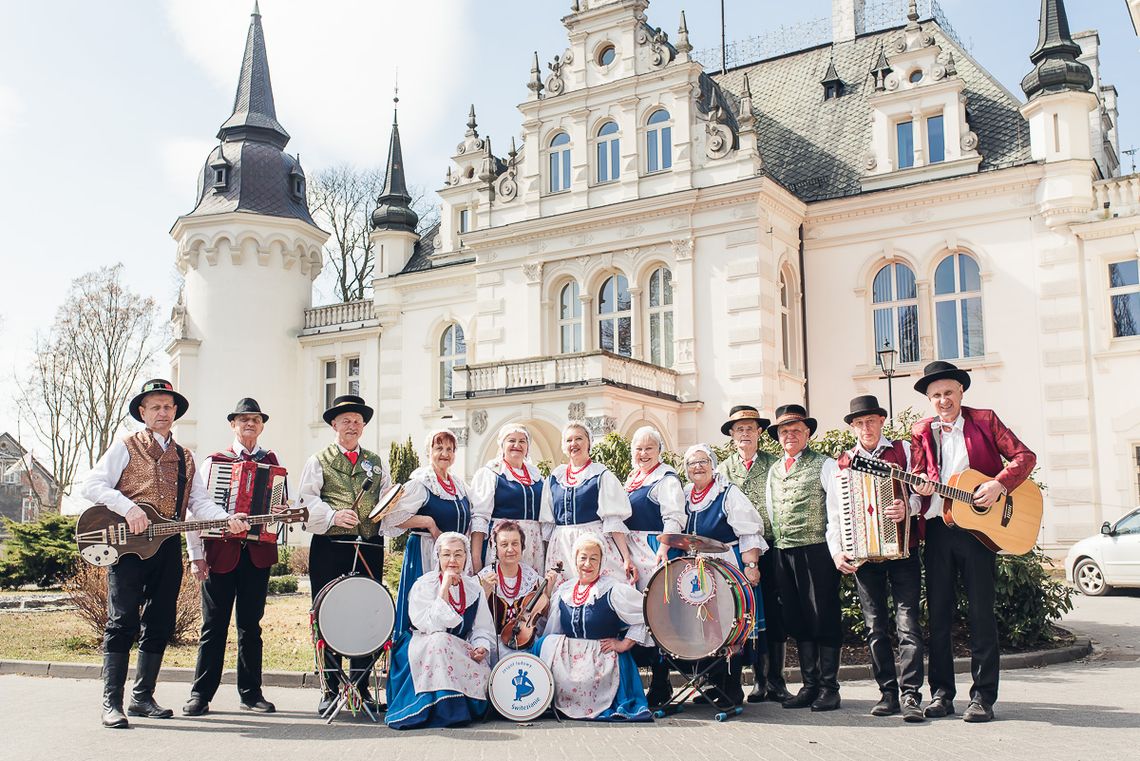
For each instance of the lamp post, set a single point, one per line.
(887, 362)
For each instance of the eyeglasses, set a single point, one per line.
(698, 463)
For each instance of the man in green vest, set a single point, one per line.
(748, 467)
(809, 582)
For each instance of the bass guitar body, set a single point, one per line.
(1011, 524)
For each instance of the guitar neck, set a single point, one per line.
(179, 527)
(913, 479)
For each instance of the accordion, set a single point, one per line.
(866, 534)
(247, 488)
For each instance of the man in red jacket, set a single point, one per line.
(955, 439)
(233, 571)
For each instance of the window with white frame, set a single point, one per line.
(615, 316)
(785, 322)
(452, 353)
(329, 382)
(958, 308)
(569, 319)
(609, 153)
(935, 140)
(659, 142)
(661, 317)
(464, 220)
(1124, 295)
(894, 296)
(560, 163)
(352, 375)
(904, 143)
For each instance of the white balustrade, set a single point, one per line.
(347, 312)
(540, 373)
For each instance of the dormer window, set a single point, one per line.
(904, 133)
(935, 140)
(298, 187)
(221, 177)
(464, 220)
(832, 90)
(915, 76)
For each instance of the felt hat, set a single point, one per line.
(247, 406)
(939, 370)
(348, 403)
(159, 386)
(742, 412)
(791, 413)
(868, 404)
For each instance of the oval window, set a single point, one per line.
(607, 55)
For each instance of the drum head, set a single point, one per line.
(355, 615)
(692, 543)
(521, 687)
(700, 615)
(386, 502)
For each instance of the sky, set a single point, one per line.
(108, 109)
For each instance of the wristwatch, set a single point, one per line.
(751, 564)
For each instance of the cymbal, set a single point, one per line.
(692, 543)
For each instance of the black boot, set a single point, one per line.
(759, 669)
(809, 674)
(828, 699)
(142, 697)
(660, 691)
(732, 687)
(114, 679)
(774, 672)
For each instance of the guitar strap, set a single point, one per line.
(179, 508)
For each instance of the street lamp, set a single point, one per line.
(887, 362)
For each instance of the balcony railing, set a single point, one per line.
(1118, 196)
(534, 374)
(350, 314)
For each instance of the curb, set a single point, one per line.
(1080, 648)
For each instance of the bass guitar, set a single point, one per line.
(1011, 524)
(103, 535)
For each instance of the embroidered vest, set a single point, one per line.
(574, 505)
(594, 620)
(799, 503)
(516, 502)
(711, 522)
(646, 515)
(151, 475)
(753, 483)
(343, 481)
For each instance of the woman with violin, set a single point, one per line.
(584, 497)
(518, 597)
(594, 622)
(439, 674)
(434, 501)
(507, 488)
(716, 509)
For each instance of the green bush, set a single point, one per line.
(282, 585)
(42, 553)
(402, 460)
(281, 567)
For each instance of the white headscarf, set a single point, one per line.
(701, 448)
(588, 539)
(446, 537)
(437, 432)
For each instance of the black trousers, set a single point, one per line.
(329, 559)
(948, 553)
(770, 594)
(902, 580)
(809, 594)
(246, 586)
(150, 585)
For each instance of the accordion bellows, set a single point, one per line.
(247, 488)
(866, 534)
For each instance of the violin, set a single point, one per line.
(519, 631)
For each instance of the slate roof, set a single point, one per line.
(815, 148)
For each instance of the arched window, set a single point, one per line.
(560, 163)
(895, 299)
(785, 321)
(659, 142)
(452, 353)
(615, 316)
(958, 307)
(661, 317)
(569, 319)
(609, 153)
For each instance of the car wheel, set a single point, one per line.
(1089, 578)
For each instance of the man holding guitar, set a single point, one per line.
(958, 438)
(149, 467)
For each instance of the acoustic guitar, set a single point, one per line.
(103, 535)
(1011, 524)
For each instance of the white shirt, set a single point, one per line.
(309, 492)
(194, 548)
(99, 485)
(835, 496)
(953, 459)
(625, 600)
(668, 494)
(482, 491)
(430, 614)
(421, 483)
(613, 500)
(826, 479)
(738, 510)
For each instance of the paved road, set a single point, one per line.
(1084, 710)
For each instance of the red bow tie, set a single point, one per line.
(352, 456)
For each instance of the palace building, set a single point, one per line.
(664, 240)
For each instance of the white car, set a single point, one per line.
(1110, 559)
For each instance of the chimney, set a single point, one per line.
(847, 20)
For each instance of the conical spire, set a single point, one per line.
(1056, 67)
(254, 116)
(393, 206)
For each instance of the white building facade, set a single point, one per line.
(663, 243)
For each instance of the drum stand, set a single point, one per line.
(697, 675)
(349, 693)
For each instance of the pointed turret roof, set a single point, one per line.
(394, 205)
(1056, 67)
(254, 115)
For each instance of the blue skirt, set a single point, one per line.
(408, 709)
(760, 625)
(629, 702)
(410, 571)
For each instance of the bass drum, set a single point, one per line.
(699, 608)
(354, 615)
(521, 687)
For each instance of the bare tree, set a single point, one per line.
(75, 393)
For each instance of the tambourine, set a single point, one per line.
(386, 503)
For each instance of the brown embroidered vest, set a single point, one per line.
(151, 474)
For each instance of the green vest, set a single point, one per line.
(752, 482)
(343, 481)
(799, 503)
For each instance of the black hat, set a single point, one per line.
(743, 412)
(939, 370)
(864, 405)
(791, 413)
(247, 406)
(159, 386)
(348, 403)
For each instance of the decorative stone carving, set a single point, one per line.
(631, 231)
(898, 44)
(870, 161)
(507, 188)
(581, 239)
(683, 248)
(532, 271)
(576, 411)
(460, 435)
(179, 325)
(892, 82)
(479, 421)
(938, 72)
(969, 141)
(684, 347)
(600, 425)
(554, 83)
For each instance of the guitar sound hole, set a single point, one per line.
(978, 509)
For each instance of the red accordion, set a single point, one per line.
(244, 487)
